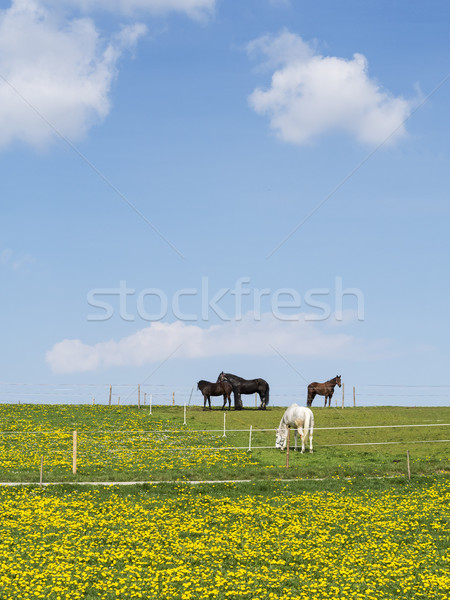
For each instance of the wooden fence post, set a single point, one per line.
(41, 472)
(288, 446)
(110, 394)
(139, 396)
(342, 395)
(74, 453)
(173, 398)
(354, 397)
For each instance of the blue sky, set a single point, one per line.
(254, 186)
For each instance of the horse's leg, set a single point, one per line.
(209, 402)
(237, 400)
(262, 399)
(224, 401)
(204, 402)
(302, 436)
(326, 398)
(298, 430)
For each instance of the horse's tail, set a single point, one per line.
(267, 395)
(311, 422)
(308, 425)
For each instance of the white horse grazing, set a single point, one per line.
(302, 419)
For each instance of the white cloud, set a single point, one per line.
(248, 336)
(195, 9)
(56, 75)
(312, 94)
(56, 71)
(15, 262)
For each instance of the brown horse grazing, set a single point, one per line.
(323, 389)
(209, 389)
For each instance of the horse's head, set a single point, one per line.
(338, 380)
(280, 440)
(221, 378)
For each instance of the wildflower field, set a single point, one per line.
(343, 522)
(277, 540)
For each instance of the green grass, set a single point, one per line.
(127, 444)
(257, 541)
(343, 522)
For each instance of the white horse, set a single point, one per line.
(302, 419)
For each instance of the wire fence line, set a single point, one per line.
(142, 394)
(207, 431)
(140, 435)
(158, 450)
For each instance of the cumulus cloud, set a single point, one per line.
(56, 70)
(55, 76)
(193, 8)
(311, 94)
(297, 337)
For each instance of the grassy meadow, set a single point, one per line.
(130, 444)
(257, 541)
(342, 523)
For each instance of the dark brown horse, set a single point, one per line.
(246, 386)
(209, 389)
(323, 389)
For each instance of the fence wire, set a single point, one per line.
(127, 394)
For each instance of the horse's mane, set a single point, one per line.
(242, 380)
(234, 376)
(330, 381)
